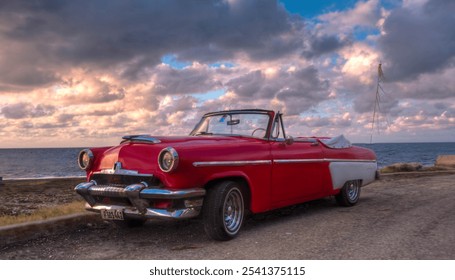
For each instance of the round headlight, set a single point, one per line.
(85, 159)
(168, 159)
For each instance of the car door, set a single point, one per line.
(296, 168)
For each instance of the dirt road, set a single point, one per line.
(404, 217)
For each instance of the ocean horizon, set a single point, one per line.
(34, 163)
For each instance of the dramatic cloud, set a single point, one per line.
(344, 121)
(88, 90)
(419, 39)
(433, 86)
(26, 110)
(365, 15)
(324, 44)
(134, 36)
(87, 72)
(299, 89)
(194, 79)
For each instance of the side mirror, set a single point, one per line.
(289, 140)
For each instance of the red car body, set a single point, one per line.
(270, 172)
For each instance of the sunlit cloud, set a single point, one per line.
(365, 14)
(361, 62)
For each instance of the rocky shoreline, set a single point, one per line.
(443, 163)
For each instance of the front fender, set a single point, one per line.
(258, 185)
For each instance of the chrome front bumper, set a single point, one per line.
(139, 195)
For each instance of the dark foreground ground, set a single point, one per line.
(400, 217)
(26, 196)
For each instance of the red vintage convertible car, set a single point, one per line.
(232, 162)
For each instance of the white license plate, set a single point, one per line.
(112, 214)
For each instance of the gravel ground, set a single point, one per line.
(400, 217)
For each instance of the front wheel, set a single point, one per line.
(349, 194)
(224, 210)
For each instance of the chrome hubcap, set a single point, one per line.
(233, 211)
(353, 191)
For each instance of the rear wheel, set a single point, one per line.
(224, 210)
(349, 193)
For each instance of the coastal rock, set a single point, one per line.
(445, 161)
(403, 167)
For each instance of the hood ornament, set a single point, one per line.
(140, 138)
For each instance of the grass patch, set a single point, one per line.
(45, 213)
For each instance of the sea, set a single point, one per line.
(61, 162)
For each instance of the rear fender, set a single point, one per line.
(341, 172)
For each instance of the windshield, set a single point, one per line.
(244, 124)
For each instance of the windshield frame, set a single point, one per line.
(270, 114)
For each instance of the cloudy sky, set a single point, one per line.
(84, 73)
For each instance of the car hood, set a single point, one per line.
(142, 156)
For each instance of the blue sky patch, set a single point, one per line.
(171, 60)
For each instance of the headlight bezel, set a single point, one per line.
(82, 162)
(174, 156)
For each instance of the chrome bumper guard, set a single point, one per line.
(139, 196)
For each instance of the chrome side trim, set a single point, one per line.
(231, 163)
(310, 160)
(297, 160)
(278, 161)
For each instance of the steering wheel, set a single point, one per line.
(258, 129)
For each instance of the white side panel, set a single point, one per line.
(346, 171)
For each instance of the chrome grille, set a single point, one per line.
(123, 180)
(107, 190)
